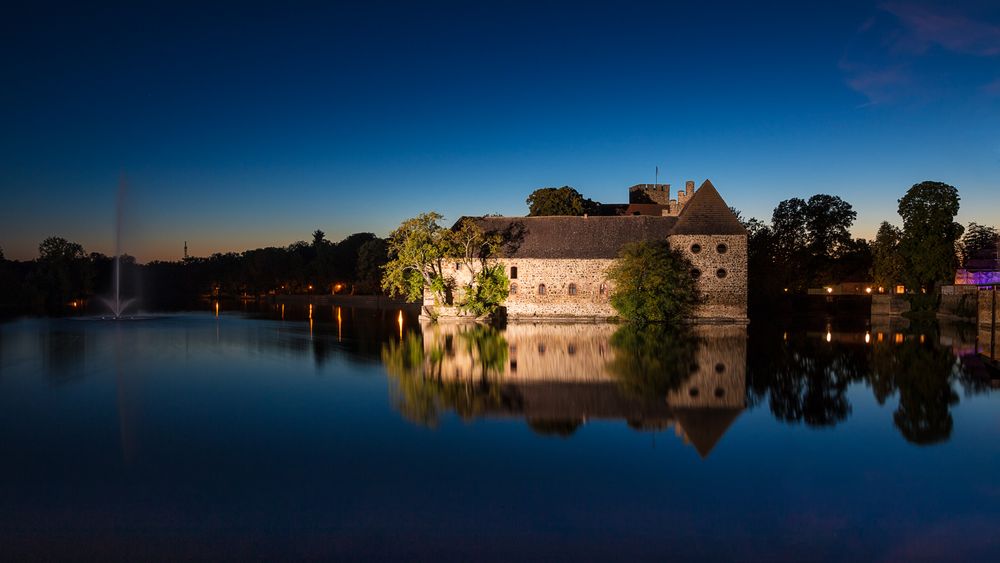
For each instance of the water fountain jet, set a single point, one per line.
(116, 304)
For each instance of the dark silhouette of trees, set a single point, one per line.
(887, 264)
(62, 274)
(811, 237)
(559, 201)
(930, 234)
(979, 241)
(372, 255)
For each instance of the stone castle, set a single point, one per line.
(558, 267)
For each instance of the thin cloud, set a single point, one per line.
(991, 89)
(953, 32)
(887, 59)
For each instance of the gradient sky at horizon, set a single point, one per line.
(240, 126)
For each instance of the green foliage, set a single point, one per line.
(559, 201)
(489, 289)
(887, 264)
(417, 249)
(420, 389)
(930, 234)
(653, 283)
(653, 360)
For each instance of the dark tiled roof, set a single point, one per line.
(706, 213)
(608, 209)
(575, 237)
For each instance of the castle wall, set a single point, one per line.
(725, 298)
(587, 275)
(723, 275)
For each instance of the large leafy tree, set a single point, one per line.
(930, 234)
(559, 201)
(417, 251)
(652, 283)
(810, 236)
(478, 252)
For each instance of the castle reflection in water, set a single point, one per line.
(560, 376)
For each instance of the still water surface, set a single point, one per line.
(339, 433)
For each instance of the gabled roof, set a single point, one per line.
(575, 237)
(706, 213)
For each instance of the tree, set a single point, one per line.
(417, 250)
(652, 283)
(488, 289)
(929, 236)
(887, 264)
(478, 253)
(559, 201)
(62, 273)
(977, 241)
(810, 236)
(371, 257)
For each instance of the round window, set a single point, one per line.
(695, 273)
(695, 248)
(721, 249)
(720, 273)
(693, 391)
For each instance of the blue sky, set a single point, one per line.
(241, 126)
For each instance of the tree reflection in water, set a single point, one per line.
(804, 376)
(653, 360)
(425, 379)
(694, 379)
(923, 373)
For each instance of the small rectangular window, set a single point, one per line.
(513, 272)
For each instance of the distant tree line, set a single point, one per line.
(64, 276)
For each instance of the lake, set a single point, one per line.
(322, 433)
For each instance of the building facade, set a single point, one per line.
(558, 265)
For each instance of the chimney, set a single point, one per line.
(689, 187)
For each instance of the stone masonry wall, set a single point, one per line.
(725, 297)
(557, 275)
(721, 261)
